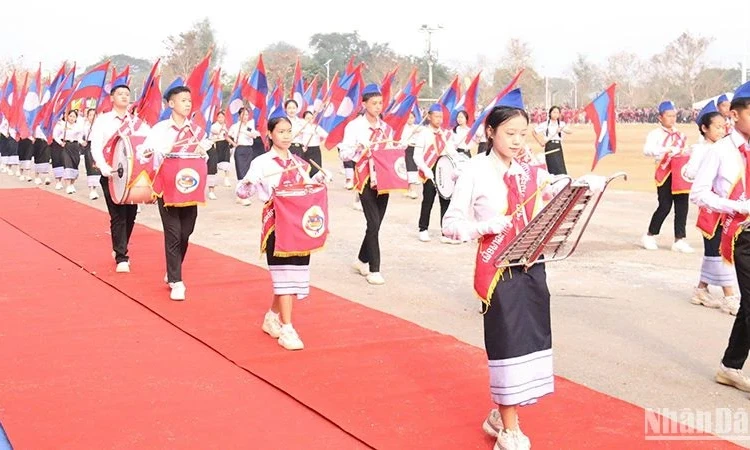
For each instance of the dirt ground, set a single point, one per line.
(622, 321)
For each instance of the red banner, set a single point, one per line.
(708, 222)
(664, 169)
(301, 219)
(390, 169)
(181, 181)
(679, 184)
(130, 125)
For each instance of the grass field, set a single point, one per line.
(579, 154)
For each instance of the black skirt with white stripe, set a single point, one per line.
(518, 337)
(290, 274)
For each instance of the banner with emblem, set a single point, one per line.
(390, 168)
(181, 180)
(680, 185)
(301, 219)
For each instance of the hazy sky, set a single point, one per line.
(84, 30)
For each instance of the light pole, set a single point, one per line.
(431, 56)
(328, 74)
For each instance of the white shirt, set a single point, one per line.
(218, 132)
(297, 126)
(481, 195)
(64, 131)
(426, 139)
(697, 153)
(459, 137)
(551, 130)
(86, 131)
(39, 134)
(105, 126)
(357, 136)
(312, 135)
(244, 136)
(410, 134)
(656, 146)
(4, 126)
(721, 167)
(162, 137)
(269, 172)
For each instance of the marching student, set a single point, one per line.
(722, 105)
(42, 157)
(219, 134)
(359, 136)
(459, 133)
(291, 108)
(495, 197)
(409, 138)
(175, 135)
(11, 150)
(25, 154)
(662, 144)
(433, 142)
(720, 185)
(550, 135)
(4, 126)
(714, 271)
(312, 136)
(290, 275)
(241, 135)
(106, 126)
(93, 175)
(67, 135)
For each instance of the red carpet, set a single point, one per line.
(390, 383)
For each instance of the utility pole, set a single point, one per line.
(431, 55)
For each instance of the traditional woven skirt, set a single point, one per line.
(290, 275)
(71, 160)
(224, 154)
(714, 271)
(518, 337)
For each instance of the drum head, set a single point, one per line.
(445, 167)
(120, 170)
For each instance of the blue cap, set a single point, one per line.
(436, 107)
(722, 98)
(709, 108)
(512, 99)
(372, 88)
(743, 91)
(666, 106)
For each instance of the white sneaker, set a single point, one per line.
(123, 267)
(375, 278)
(447, 240)
(361, 268)
(178, 291)
(682, 246)
(58, 186)
(733, 377)
(227, 183)
(349, 185)
(37, 181)
(289, 339)
(649, 242)
(21, 178)
(47, 181)
(424, 236)
(357, 206)
(93, 195)
(70, 189)
(211, 196)
(246, 202)
(493, 423)
(730, 304)
(272, 325)
(18, 172)
(702, 297)
(512, 440)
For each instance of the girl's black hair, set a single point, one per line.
(549, 117)
(306, 113)
(465, 114)
(498, 116)
(275, 121)
(291, 100)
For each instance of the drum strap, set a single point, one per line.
(288, 177)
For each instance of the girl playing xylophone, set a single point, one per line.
(496, 196)
(290, 275)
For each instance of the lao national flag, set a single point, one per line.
(32, 102)
(385, 86)
(342, 108)
(255, 91)
(601, 113)
(309, 96)
(467, 103)
(448, 101)
(492, 104)
(198, 82)
(92, 83)
(232, 113)
(298, 89)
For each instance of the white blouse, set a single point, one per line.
(552, 130)
(312, 135)
(720, 168)
(268, 171)
(64, 131)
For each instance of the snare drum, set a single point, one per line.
(301, 219)
(130, 182)
(181, 179)
(446, 172)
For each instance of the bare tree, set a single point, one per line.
(625, 69)
(588, 79)
(685, 57)
(186, 49)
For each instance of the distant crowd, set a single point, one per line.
(624, 115)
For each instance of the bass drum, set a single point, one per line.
(131, 181)
(447, 169)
